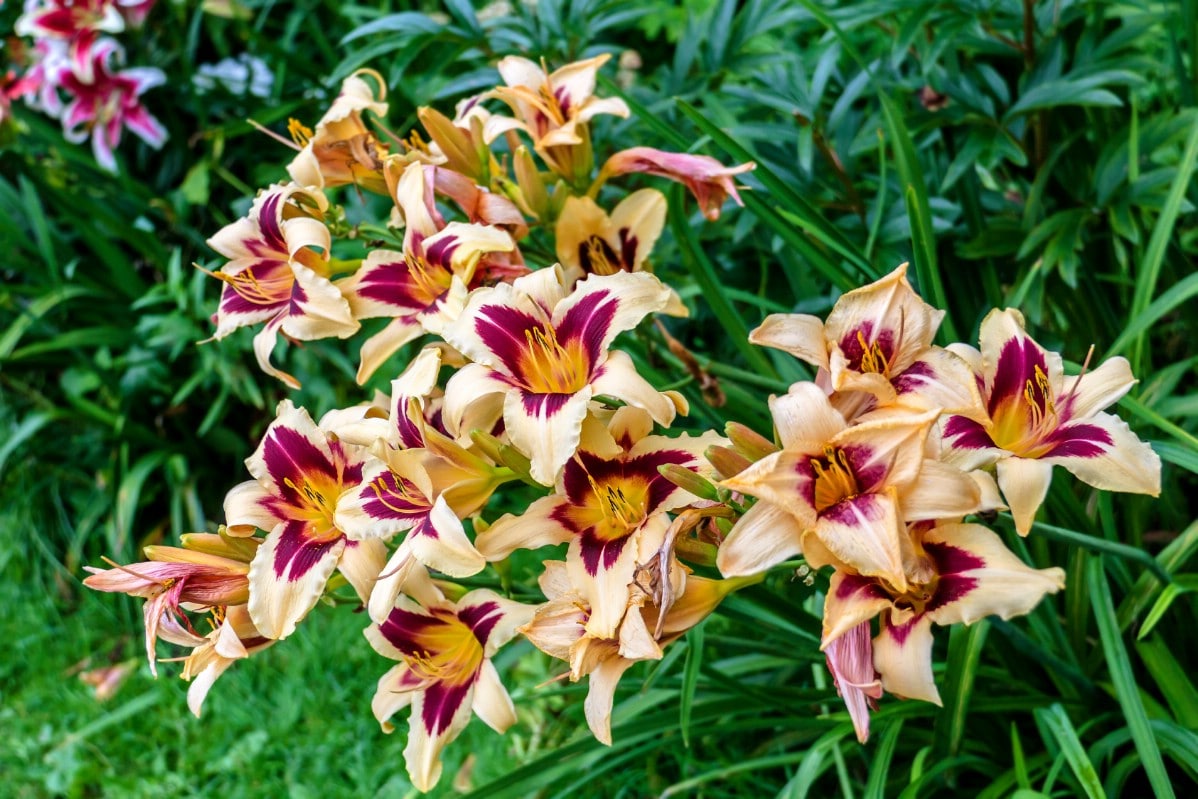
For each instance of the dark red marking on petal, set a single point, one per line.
(952, 564)
(403, 628)
(441, 702)
(863, 587)
(870, 476)
(544, 406)
(596, 551)
(1077, 441)
(391, 283)
(441, 252)
(628, 245)
(589, 321)
(504, 331)
(481, 619)
(390, 496)
(916, 376)
(850, 344)
(298, 553)
(964, 433)
(899, 632)
(289, 457)
(863, 507)
(1017, 364)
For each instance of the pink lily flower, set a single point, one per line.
(105, 103)
(68, 19)
(707, 179)
(1036, 418)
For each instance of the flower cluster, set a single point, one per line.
(72, 72)
(520, 380)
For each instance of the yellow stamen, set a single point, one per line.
(601, 259)
(552, 368)
(401, 488)
(300, 133)
(873, 360)
(834, 478)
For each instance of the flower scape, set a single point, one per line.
(882, 470)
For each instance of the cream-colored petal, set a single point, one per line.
(621, 380)
(639, 219)
(392, 695)
(1125, 464)
(938, 379)
(361, 563)
(939, 492)
(903, 657)
(764, 537)
(1094, 391)
(245, 512)
(324, 312)
(866, 533)
(548, 436)
(391, 582)
(492, 703)
(450, 551)
(804, 418)
(471, 385)
(533, 529)
(423, 752)
(264, 345)
(601, 694)
(777, 479)
(851, 600)
(279, 601)
(894, 443)
(802, 335)
(635, 295)
(1024, 483)
(994, 581)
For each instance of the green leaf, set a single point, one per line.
(1061, 728)
(879, 767)
(690, 680)
(1124, 680)
(1171, 678)
(964, 653)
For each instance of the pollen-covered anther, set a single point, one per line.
(300, 133)
(555, 370)
(873, 359)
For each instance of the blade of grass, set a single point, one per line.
(1062, 731)
(690, 680)
(964, 652)
(1171, 678)
(1162, 233)
(1124, 681)
(1138, 323)
(879, 767)
(1094, 544)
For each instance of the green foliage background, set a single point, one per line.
(1035, 154)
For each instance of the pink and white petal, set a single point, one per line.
(385, 343)
(1097, 390)
(850, 659)
(395, 691)
(601, 694)
(865, 532)
(638, 221)
(939, 492)
(574, 83)
(245, 510)
(804, 418)
(493, 619)
(852, 600)
(1024, 484)
(903, 656)
(469, 388)
(146, 127)
(967, 445)
(318, 309)
(287, 577)
(535, 528)
(1103, 452)
(292, 449)
(1012, 357)
(393, 580)
(517, 71)
(941, 380)
(980, 577)
(546, 428)
(602, 306)
(264, 345)
(764, 537)
(361, 563)
(784, 480)
(620, 379)
(492, 703)
(442, 544)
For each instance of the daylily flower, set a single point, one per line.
(878, 340)
(300, 472)
(424, 286)
(611, 505)
(708, 180)
(464, 142)
(278, 274)
(547, 352)
(104, 103)
(963, 573)
(67, 19)
(842, 490)
(170, 577)
(1036, 418)
(560, 630)
(554, 109)
(591, 242)
(234, 638)
(342, 150)
(445, 672)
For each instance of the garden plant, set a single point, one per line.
(721, 399)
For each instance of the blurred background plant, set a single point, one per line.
(1034, 154)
